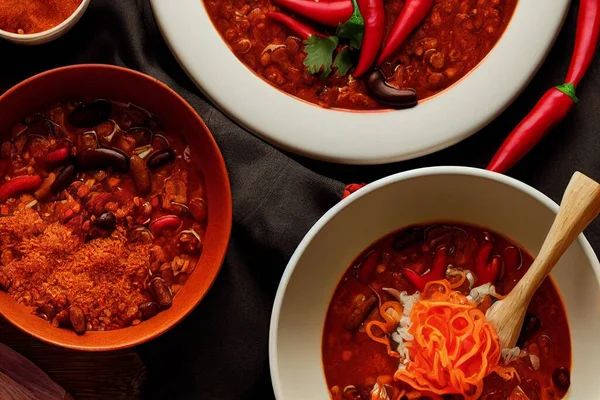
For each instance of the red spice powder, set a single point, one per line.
(33, 16)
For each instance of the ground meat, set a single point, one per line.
(104, 277)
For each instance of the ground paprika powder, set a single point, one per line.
(33, 16)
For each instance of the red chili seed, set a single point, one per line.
(19, 184)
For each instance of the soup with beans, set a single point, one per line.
(102, 215)
(451, 40)
(378, 300)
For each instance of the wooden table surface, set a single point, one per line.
(110, 375)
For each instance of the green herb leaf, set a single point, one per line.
(319, 54)
(353, 29)
(343, 61)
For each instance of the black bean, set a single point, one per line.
(102, 159)
(160, 157)
(64, 177)
(161, 292)
(407, 237)
(531, 325)
(388, 95)
(561, 378)
(90, 114)
(149, 309)
(106, 221)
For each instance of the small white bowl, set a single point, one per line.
(468, 195)
(50, 34)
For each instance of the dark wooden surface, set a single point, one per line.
(112, 375)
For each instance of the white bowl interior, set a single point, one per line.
(447, 193)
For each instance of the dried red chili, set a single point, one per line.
(412, 15)
(330, 13)
(374, 15)
(558, 101)
(33, 16)
(303, 31)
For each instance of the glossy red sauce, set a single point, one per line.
(350, 357)
(453, 39)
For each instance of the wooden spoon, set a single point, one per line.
(580, 205)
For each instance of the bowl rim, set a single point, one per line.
(374, 186)
(339, 136)
(225, 222)
(32, 37)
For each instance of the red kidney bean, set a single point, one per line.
(160, 157)
(199, 209)
(58, 155)
(19, 184)
(166, 223)
(161, 292)
(102, 159)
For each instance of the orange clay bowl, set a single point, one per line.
(84, 82)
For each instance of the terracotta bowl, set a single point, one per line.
(124, 85)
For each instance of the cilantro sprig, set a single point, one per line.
(353, 29)
(319, 54)
(319, 50)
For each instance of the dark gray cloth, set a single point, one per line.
(220, 350)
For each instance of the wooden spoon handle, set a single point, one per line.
(579, 206)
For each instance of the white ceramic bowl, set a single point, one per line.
(361, 138)
(463, 194)
(50, 34)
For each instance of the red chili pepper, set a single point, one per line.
(351, 188)
(437, 272)
(19, 184)
(330, 13)
(586, 39)
(412, 14)
(558, 101)
(58, 155)
(303, 31)
(550, 110)
(367, 266)
(487, 271)
(373, 13)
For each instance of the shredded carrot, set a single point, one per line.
(454, 346)
(391, 321)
